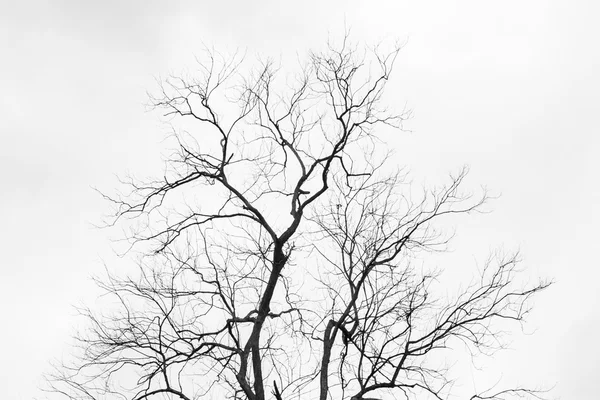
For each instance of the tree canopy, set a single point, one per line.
(278, 250)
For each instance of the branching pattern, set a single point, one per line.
(278, 252)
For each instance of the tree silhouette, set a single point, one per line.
(278, 252)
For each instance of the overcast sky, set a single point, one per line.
(509, 87)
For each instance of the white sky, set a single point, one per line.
(510, 88)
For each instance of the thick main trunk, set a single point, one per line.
(253, 343)
(328, 340)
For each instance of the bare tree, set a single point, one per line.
(278, 254)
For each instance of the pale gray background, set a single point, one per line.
(509, 87)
